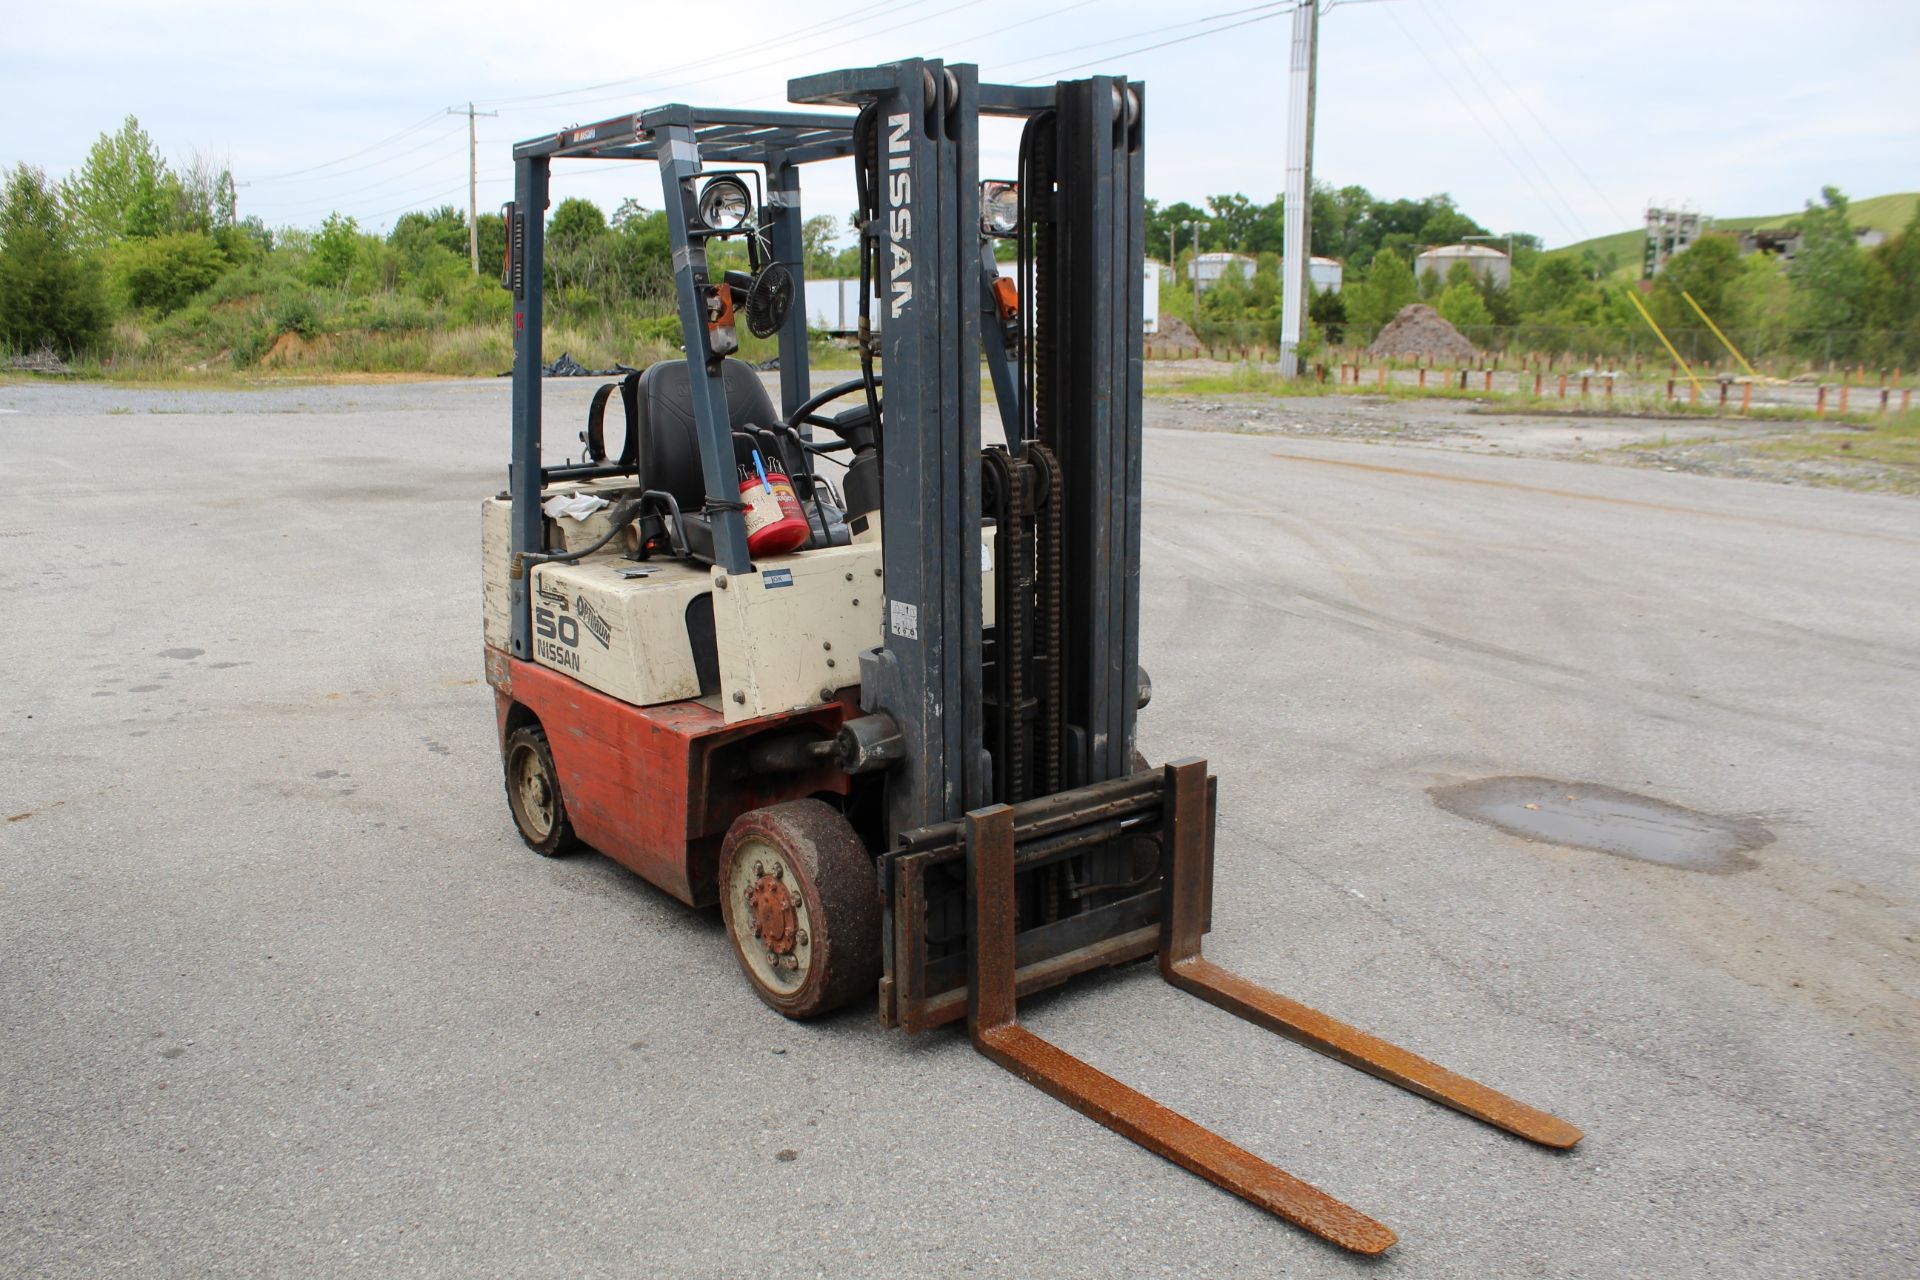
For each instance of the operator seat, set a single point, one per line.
(669, 446)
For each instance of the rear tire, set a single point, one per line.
(802, 910)
(533, 793)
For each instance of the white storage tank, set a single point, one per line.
(1488, 264)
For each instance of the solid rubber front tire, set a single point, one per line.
(801, 907)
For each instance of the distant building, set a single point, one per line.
(1487, 264)
(1784, 242)
(1670, 232)
(1325, 274)
(1213, 266)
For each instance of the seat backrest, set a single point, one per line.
(669, 446)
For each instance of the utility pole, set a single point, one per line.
(1297, 247)
(1194, 229)
(473, 182)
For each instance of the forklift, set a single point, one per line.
(867, 683)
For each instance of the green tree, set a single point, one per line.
(575, 222)
(1893, 300)
(1828, 275)
(1707, 271)
(1462, 307)
(49, 294)
(493, 242)
(1558, 284)
(1234, 220)
(415, 231)
(335, 246)
(123, 189)
(1167, 225)
(817, 235)
(1329, 310)
(1387, 288)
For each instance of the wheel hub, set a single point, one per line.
(775, 922)
(536, 795)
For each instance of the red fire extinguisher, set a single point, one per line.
(775, 523)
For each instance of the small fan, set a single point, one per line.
(769, 299)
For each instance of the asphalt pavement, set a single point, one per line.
(282, 993)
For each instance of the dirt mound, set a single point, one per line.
(1174, 333)
(1419, 332)
(286, 349)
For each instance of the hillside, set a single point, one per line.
(1887, 213)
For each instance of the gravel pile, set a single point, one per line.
(1419, 332)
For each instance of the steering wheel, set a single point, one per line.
(809, 410)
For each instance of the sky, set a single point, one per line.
(1559, 119)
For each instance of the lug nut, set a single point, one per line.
(800, 938)
(739, 695)
(779, 871)
(759, 868)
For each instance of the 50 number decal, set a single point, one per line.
(561, 627)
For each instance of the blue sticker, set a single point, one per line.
(772, 578)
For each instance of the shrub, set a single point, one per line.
(163, 273)
(296, 313)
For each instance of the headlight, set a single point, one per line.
(999, 208)
(725, 205)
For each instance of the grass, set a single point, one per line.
(1895, 443)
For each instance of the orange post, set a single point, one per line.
(1489, 381)
(1423, 378)
(1584, 380)
(1563, 386)
(1906, 399)
(1536, 382)
(1820, 402)
(1383, 377)
(1843, 397)
(1746, 396)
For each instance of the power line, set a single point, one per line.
(1474, 112)
(1150, 31)
(436, 140)
(785, 56)
(352, 155)
(1514, 133)
(1149, 48)
(319, 197)
(961, 42)
(813, 28)
(1551, 135)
